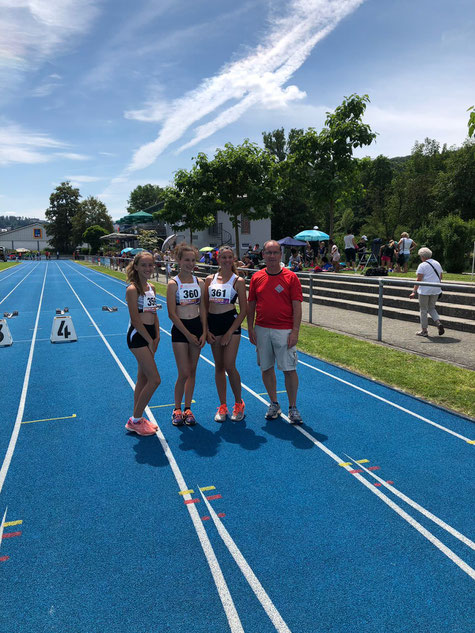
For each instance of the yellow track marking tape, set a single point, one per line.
(265, 393)
(345, 464)
(362, 461)
(66, 417)
(10, 523)
(208, 488)
(186, 492)
(470, 441)
(159, 406)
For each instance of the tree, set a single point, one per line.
(63, 206)
(92, 237)
(242, 178)
(454, 188)
(324, 160)
(143, 197)
(456, 237)
(471, 121)
(92, 211)
(149, 240)
(190, 203)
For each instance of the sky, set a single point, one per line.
(111, 94)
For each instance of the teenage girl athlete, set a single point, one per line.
(143, 337)
(188, 314)
(224, 329)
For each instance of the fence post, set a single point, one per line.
(310, 299)
(380, 310)
(473, 260)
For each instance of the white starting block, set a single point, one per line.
(63, 330)
(5, 336)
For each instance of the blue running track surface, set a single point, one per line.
(361, 520)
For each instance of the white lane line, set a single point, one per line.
(2, 526)
(20, 282)
(436, 542)
(219, 580)
(21, 407)
(417, 507)
(247, 572)
(4, 276)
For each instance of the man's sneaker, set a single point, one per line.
(238, 411)
(189, 418)
(441, 329)
(273, 411)
(422, 333)
(221, 413)
(177, 417)
(142, 427)
(294, 416)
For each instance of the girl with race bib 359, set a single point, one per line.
(143, 337)
(187, 312)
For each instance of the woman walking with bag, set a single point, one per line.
(431, 271)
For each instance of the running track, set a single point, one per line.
(96, 537)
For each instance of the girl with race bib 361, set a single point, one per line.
(187, 312)
(143, 337)
(224, 329)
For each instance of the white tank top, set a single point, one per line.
(222, 293)
(187, 294)
(148, 301)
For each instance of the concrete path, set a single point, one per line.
(453, 347)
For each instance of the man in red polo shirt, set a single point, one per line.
(275, 295)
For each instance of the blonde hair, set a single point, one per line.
(404, 234)
(183, 248)
(132, 274)
(223, 248)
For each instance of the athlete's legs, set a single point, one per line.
(230, 353)
(147, 366)
(219, 371)
(193, 354)
(181, 357)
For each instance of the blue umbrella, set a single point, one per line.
(134, 251)
(312, 235)
(290, 241)
(126, 250)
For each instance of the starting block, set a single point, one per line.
(63, 311)
(5, 336)
(10, 315)
(109, 309)
(63, 330)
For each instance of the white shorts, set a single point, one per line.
(272, 346)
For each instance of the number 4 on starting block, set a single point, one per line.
(5, 336)
(63, 330)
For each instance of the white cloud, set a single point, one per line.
(33, 30)
(84, 178)
(73, 156)
(18, 145)
(256, 79)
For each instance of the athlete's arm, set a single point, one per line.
(203, 315)
(210, 337)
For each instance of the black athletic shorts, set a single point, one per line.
(192, 325)
(219, 324)
(135, 339)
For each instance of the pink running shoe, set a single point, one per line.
(189, 418)
(221, 413)
(142, 427)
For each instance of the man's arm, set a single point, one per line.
(251, 313)
(297, 319)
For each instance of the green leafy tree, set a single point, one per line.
(63, 206)
(143, 197)
(324, 160)
(149, 240)
(91, 211)
(471, 121)
(454, 187)
(92, 236)
(456, 237)
(189, 203)
(242, 178)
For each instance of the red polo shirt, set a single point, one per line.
(273, 295)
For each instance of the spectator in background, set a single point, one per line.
(309, 255)
(361, 249)
(386, 253)
(335, 258)
(350, 249)
(405, 247)
(295, 261)
(431, 271)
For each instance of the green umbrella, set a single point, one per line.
(206, 249)
(140, 216)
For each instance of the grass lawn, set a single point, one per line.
(441, 383)
(4, 265)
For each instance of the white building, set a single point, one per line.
(251, 232)
(33, 237)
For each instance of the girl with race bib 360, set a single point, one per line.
(143, 337)
(224, 329)
(187, 312)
